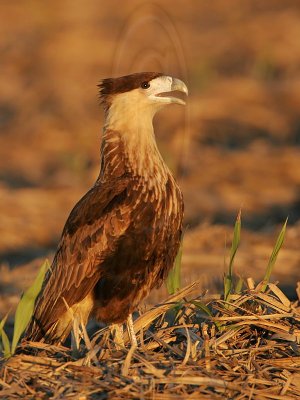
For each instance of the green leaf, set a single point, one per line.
(6, 344)
(273, 258)
(2, 323)
(4, 338)
(227, 286)
(239, 286)
(202, 307)
(173, 281)
(228, 279)
(25, 307)
(235, 241)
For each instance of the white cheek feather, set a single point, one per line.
(159, 85)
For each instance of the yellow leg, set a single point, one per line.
(117, 332)
(131, 332)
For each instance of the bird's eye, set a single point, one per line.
(145, 85)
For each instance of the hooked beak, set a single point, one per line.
(176, 86)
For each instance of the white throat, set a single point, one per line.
(133, 120)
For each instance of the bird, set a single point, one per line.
(121, 238)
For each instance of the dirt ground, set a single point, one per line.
(235, 145)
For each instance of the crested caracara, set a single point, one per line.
(121, 238)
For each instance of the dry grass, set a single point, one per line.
(248, 348)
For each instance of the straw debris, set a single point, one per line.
(190, 347)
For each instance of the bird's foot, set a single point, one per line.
(118, 334)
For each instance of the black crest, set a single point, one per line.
(111, 86)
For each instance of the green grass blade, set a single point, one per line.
(25, 307)
(235, 241)
(239, 286)
(4, 338)
(2, 323)
(203, 307)
(273, 258)
(227, 286)
(228, 279)
(173, 281)
(5, 344)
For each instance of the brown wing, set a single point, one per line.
(143, 256)
(90, 235)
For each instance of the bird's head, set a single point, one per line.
(145, 92)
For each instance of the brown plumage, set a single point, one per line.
(122, 237)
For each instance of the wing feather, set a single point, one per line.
(90, 235)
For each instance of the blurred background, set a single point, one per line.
(235, 145)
